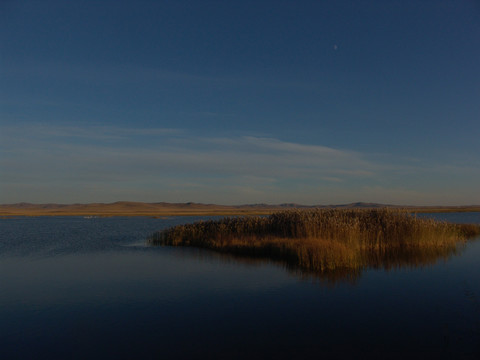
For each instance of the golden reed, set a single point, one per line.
(323, 240)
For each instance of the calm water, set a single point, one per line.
(81, 288)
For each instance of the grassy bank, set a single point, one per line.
(128, 208)
(322, 240)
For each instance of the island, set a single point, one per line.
(326, 240)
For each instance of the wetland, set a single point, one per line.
(75, 287)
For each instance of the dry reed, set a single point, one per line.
(320, 240)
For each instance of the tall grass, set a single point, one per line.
(326, 240)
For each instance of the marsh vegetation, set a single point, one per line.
(326, 241)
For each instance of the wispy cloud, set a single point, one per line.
(89, 132)
(172, 165)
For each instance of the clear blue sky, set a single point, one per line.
(232, 102)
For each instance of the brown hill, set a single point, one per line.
(129, 208)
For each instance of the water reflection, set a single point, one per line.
(87, 289)
(388, 259)
(331, 245)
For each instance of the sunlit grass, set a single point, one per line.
(320, 240)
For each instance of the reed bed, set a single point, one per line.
(326, 240)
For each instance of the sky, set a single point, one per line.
(240, 102)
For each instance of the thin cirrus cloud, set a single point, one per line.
(155, 150)
(44, 131)
(107, 163)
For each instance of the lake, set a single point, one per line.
(76, 288)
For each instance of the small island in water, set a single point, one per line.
(329, 242)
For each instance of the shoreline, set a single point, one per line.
(194, 209)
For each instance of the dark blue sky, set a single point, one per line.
(237, 101)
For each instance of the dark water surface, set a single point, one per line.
(72, 287)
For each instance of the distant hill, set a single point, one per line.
(129, 208)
